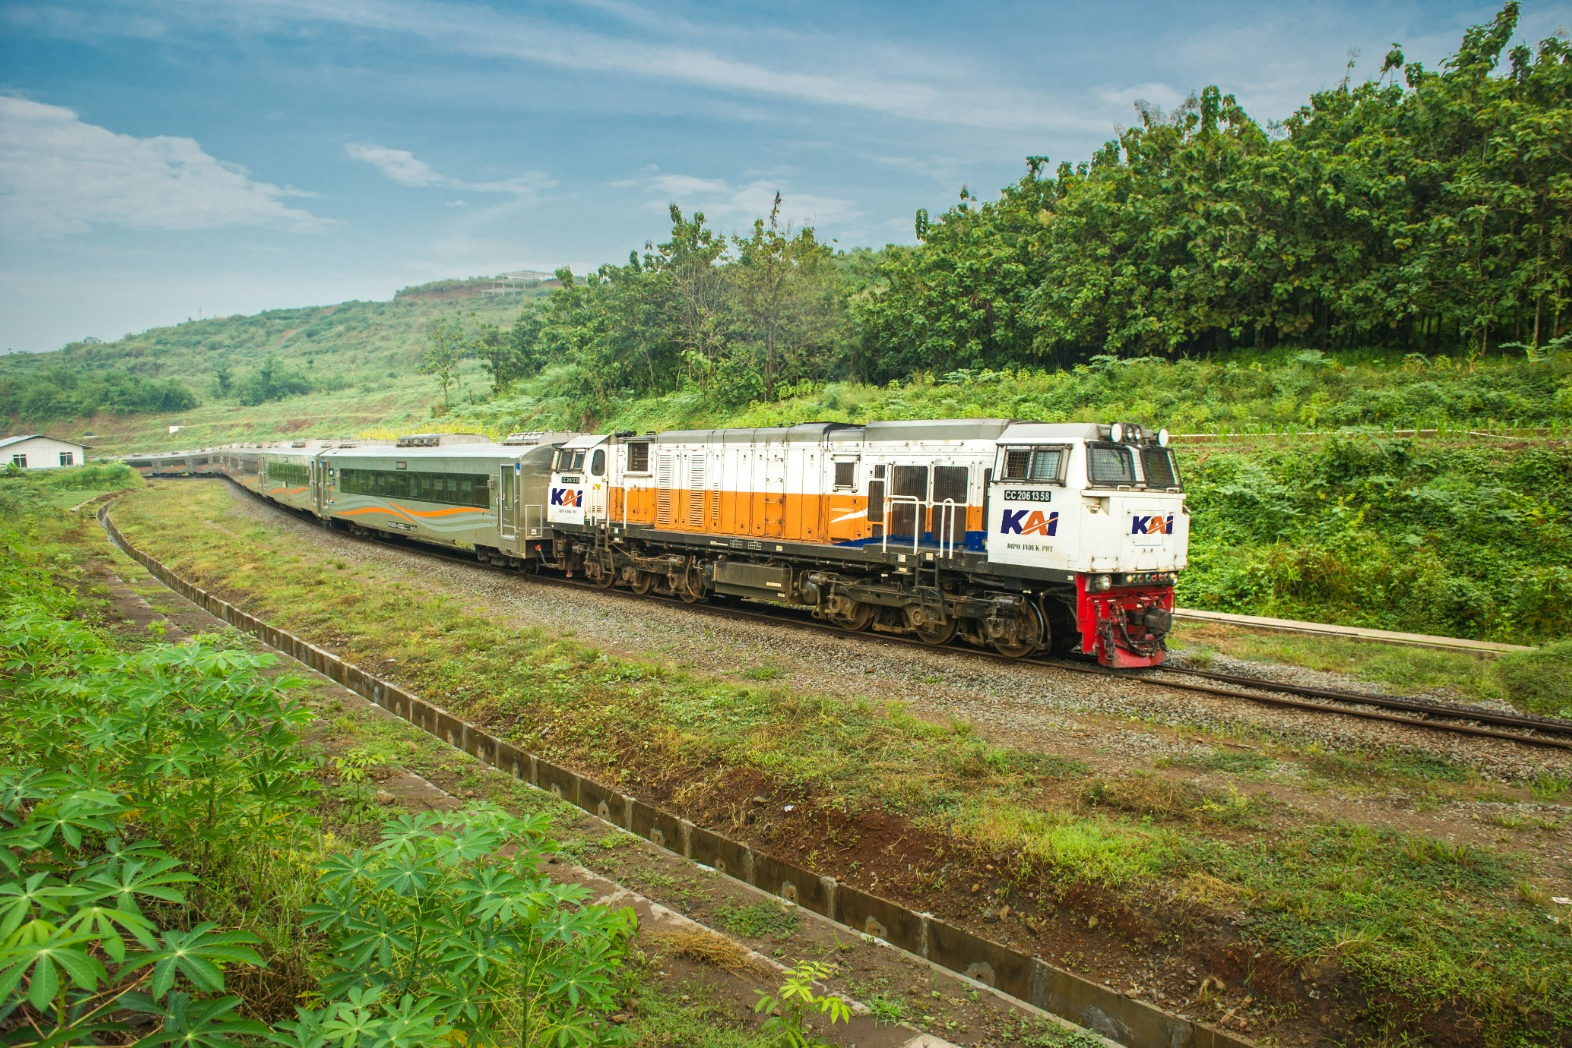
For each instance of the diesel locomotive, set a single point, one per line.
(1021, 536)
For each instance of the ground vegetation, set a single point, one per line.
(1425, 927)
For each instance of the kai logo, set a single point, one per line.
(1030, 522)
(1155, 524)
(571, 498)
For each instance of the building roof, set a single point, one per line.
(6, 442)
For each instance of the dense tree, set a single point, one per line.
(1431, 213)
(62, 393)
(270, 381)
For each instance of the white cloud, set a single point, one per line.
(406, 169)
(729, 203)
(926, 85)
(59, 175)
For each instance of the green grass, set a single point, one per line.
(618, 719)
(760, 920)
(1535, 682)
(1539, 681)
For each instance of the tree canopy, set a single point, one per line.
(1424, 210)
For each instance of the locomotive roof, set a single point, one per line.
(472, 452)
(1033, 431)
(819, 432)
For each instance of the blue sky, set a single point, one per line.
(176, 158)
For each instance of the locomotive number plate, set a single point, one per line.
(1028, 496)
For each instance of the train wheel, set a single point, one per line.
(643, 582)
(1027, 637)
(607, 578)
(858, 618)
(937, 633)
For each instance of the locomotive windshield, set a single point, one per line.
(1109, 465)
(1159, 468)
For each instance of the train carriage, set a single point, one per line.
(489, 496)
(287, 475)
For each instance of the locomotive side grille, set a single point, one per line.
(664, 481)
(696, 490)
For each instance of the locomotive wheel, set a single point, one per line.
(937, 633)
(859, 618)
(643, 582)
(1028, 638)
(606, 579)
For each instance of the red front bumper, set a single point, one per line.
(1114, 624)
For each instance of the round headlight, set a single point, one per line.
(1116, 432)
(1162, 438)
(1102, 582)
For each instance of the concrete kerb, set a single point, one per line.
(993, 966)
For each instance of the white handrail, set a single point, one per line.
(944, 537)
(946, 529)
(891, 500)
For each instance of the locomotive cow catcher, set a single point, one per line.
(1021, 536)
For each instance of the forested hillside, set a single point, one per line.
(339, 354)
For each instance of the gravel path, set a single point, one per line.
(1119, 725)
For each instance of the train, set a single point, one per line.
(1024, 537)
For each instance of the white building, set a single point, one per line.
(32, 451)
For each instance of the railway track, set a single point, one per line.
(1424, 714)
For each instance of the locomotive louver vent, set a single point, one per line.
(663, 485)
(696, 469)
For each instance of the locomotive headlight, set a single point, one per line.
(1116, 432)
(1162, 438)
(1102, 582)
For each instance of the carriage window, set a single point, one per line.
(846, 474)
(1110, 464)
(598, 463)
(639, 457)
(452, 489)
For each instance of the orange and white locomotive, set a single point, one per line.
(1022, 536)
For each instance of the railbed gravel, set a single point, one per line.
(1113, 724)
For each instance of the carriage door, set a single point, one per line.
(508, 501)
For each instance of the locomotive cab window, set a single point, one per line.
(570, 461)
(1035, 465)
(1109, 465)
(598, 463)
